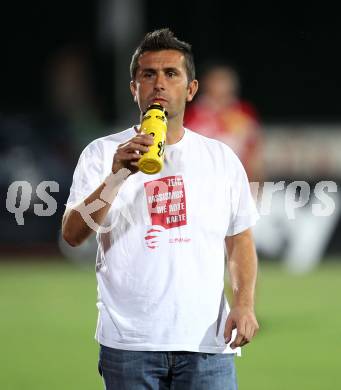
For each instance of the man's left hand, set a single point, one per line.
(244, 319)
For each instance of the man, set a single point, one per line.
(164, 321)
(219, 112)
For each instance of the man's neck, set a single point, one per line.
(175, 130)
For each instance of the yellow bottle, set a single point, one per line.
(154, 122)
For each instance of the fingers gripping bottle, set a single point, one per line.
(154, 122)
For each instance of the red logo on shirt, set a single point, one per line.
(154, 237)
(166, 201)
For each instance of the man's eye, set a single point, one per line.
(148, 75)
(171, 74)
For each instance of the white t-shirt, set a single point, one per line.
(160, 269)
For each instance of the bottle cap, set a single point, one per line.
(157, 106)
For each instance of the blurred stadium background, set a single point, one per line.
(64, 81)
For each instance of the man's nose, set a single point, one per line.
(159, 82)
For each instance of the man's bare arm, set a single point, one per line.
(79, 221)
(242, 266)
(75, 227)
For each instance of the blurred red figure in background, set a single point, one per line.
(219, 113)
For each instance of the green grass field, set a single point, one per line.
(48, 318)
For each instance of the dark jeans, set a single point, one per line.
(179, 370)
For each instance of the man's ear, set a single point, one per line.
(192, 90)
(133, 89)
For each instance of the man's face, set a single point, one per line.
(161, 78)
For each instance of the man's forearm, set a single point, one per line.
(242, 266)
(81, 221)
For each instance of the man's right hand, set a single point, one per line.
(128, 154)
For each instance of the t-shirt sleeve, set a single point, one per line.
(244, 213)
(87, 175)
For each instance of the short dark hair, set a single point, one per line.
(163, 39)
